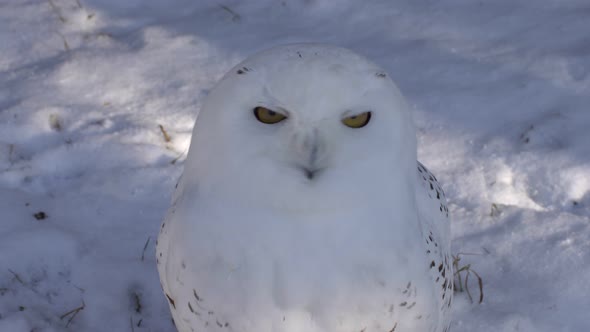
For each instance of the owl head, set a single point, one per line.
(316, 122)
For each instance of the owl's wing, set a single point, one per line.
(168, 260)
(433, 214)
(432, 204)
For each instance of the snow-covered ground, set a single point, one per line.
(98, 98)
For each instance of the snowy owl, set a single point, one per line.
(302, 207)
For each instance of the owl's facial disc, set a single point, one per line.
(305, 144)
(321, 124)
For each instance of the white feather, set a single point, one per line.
(252, 244)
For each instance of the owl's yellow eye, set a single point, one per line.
(357, 121)
(267, 116)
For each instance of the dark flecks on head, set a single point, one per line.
(381, 74)
(243, 70)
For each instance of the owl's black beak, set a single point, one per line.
(310, 173)
(310, 151)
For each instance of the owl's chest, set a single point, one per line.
(333, 270)
(304, 254)
(315, 241)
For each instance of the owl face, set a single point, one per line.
(319, 122)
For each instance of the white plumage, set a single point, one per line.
(302, 207)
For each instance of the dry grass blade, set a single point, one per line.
(480, 284)
(467, 270)
(137, 302)
(66, 45)
(17, 277)
(494, 210)
(235, 16)
(467, 288)
(167, 138)
(145, 247)
(54, 122)
(72, 313)
(173, 161)
(57, 11)
(456, 260)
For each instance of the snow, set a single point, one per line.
(500, 91)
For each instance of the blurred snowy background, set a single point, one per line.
(98, 98)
